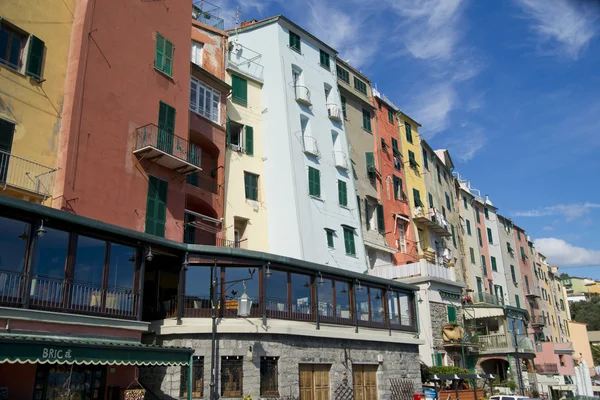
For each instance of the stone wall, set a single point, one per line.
(398, 361)
(439, 318)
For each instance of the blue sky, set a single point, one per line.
(511, 88)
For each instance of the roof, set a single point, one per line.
(385, 99)
(276, 18)
(594, 336)
(354, 70)
(198, 69)
(8, 204)
(409, 118)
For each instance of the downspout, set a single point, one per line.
(418, 320)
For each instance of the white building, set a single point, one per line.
(496, 262)
(309, 190)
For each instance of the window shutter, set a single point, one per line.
(249, 140)
(367, 213)
(342, 193)
(408, 132)
(472, 255)
(228, 132)
(417, 198)
(156, 206)
(451, 314)
(518, 302)
(425, 160)
(159, 52)
(314, 182)
(430, 198)
(468, 227)
(370, 161)
(35, 58)
(168, 63)
(247, 184)
(490, 238)
(239, 90)
(189, 232)
(494, 266)
(358, 208)
(380, 219)
(448, 202)
(453, 236)
(395, 149)
(439, 359)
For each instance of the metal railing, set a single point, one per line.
(487, 299)
(433, 215)
(310, 146)
(244, 65)
(203, 181)
(11, 288)
(25, 174)
(504, 343)
(532, 292)
(538, 320)
(547, 368)
(151, 135)
(340, 159)
(205, 12)
(302, 94)
(334, 111)
(421, 268)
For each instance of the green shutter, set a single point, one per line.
(380, 219)
(448, 202)
(472, 255)
(166, 128)
(484, 265)
(479, 237)
(314, 182)
(168, 66)
(163, 56)
(395, 149)
(390, 116)
(518, 301)
(358, 208)
(35, 57)
(251, 186)
(477, 215)
(439, 359)
(249, 140)
(329, 234)
(487, 213)
(294, 41)
(523, 256)
(494, 266)
(228, 132)
(417, 198)
(349, 241)
(247, 185)
(453, 236)
(342, 193)
(397, 187)
(465, 203)
(156, 206)
(430, 199)
(239, 90)
(370, 161)
(468, 227)
(343, 100)
(490, 238)
(324, 59)
(408, 129)
(451, 314)
(366, 120)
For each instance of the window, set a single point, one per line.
(562, 305)
(269, 372)
(397, 187)
(465, 203)
(314, 381)
(479, 237)
(249, 148)
(366, 120)
(390, 116)
(477, 215)
(513, 275)
(453, 235)
(12, 43)
(425, 159)
(156, 206)
(205, 101)
(469, 227)
(490, 238)
(343, 74)
(314, 182)
(430, 199)
(52, 379)
(13, 246)
(360, 86)
(295, 41)
(196, 56)
(417, 198)
(343, 100)
(483, 264)
(163, 56)
(251, 186)
(517, 301)
(472, 255)
(509, 248)
(370, 160)
(232, 374)
(519, 234)
(342, 193)
(494, 266)
(324, 60)
(439, 359)
(379, 104)
(411, 160)
(499, 293)
(329, 234)
(380, 219)
(408, 129)
(439, 174)
(523, 256)
(451, 314)
(349, 241)
(7, 132)
(486, 213)
(364, 379)
(239, 90)
(197, 378)
(479, 285)
(448, 202)
(396, 152)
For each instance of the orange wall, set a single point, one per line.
(581, 343)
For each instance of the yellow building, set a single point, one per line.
(245, 216)
(34, 49)
(415, 182)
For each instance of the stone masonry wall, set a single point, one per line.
(399, 361)
(439, 318)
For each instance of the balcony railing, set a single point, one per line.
(547, 368)
(203, 181)
(340, 159)
(504, 343)
(205, 12)
(486, 298)
(532, 292)
(71, 297)
(334, 111)
(25, 174)
(244, 65)
(167, 149)
(538, 320)
(310, 146)
(421, 268)
(433, 219)
(302, 95)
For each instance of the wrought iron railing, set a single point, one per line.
(25, 174)
(205, 12)
(302, 94)
(504, 342)
(11, 288)
(547, 368)
(151, 135)
(487, 299)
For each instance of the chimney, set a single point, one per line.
(246, 23)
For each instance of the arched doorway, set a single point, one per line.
(495, 366)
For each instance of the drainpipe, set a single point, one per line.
(417, 298)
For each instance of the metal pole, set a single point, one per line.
(316, 289)
(264, 295)
(518, 362)
(190, 377)
(213, 295)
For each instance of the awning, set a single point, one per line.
(380, 247)
(564, 387)
(26, 349)
(483, 312)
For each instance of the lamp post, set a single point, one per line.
(517, 359)
(244, 307)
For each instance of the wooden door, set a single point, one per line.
(365, 382)
(321, 379)
(314, 381)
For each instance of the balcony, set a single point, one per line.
(486, 298)
(421, 268)
(433, 220)
(302, 95)
(538, 320)
(205, 12)
(532, 292)
(340, 160)
(309, 146)
(563, 348)
(504, 344)
(334, 112)
(546, 369)
(66, 296)
(167, 149)
(244, 65)
(23, 174)
(204, 181)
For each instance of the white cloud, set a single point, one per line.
(466, 143)
(569, 211)
(567, 26)
(562, 253)
(548, 228)
(435, 105)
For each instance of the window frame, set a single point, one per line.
(349, 242)
(314, 191)
(183, 386)
(264, 362)
(359, 85)
(343, 74)
(213, 93)
(250, 191)
(234, 360)
(324, 56)
(160, 64)
(295, 42)
(24, 38)
(468, 225)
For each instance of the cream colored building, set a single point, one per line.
(245, 216)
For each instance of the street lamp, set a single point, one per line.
(244, 304)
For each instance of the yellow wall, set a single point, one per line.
(35, 107)
(414, 178)
(236, 204)
(581, 343)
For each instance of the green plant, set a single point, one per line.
(248, 397)
(511, 385)
(447, 370)
(535, 393)
(425, 373)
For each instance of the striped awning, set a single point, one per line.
(31, 349)
(483, 312)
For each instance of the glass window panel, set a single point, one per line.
(362, 302)
(377, 313)
(277, 298)
(216, 104)
(51, 254)
(342, 300)
(393, 311)
(122, 266)
(235, 290)
(89, 261)
(197, 288)
(13, 245)
(406, 316)
(301, 301)
(326, 298)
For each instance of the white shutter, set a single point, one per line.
(216, 106)
(193, 95)
(196, 56)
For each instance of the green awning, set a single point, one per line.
(29, 349)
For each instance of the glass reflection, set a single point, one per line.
(121, 271)
(326, 298)
(48, 268)
(362, 303)
(393, 311)
(197, 289)
(88, 272)
(406, 317)
(277, 296)
(301, 301)
(377, 314)
(13, 244)
(342, 300)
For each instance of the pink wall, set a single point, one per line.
(17, 326)
(483, 250)
(548, 356)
